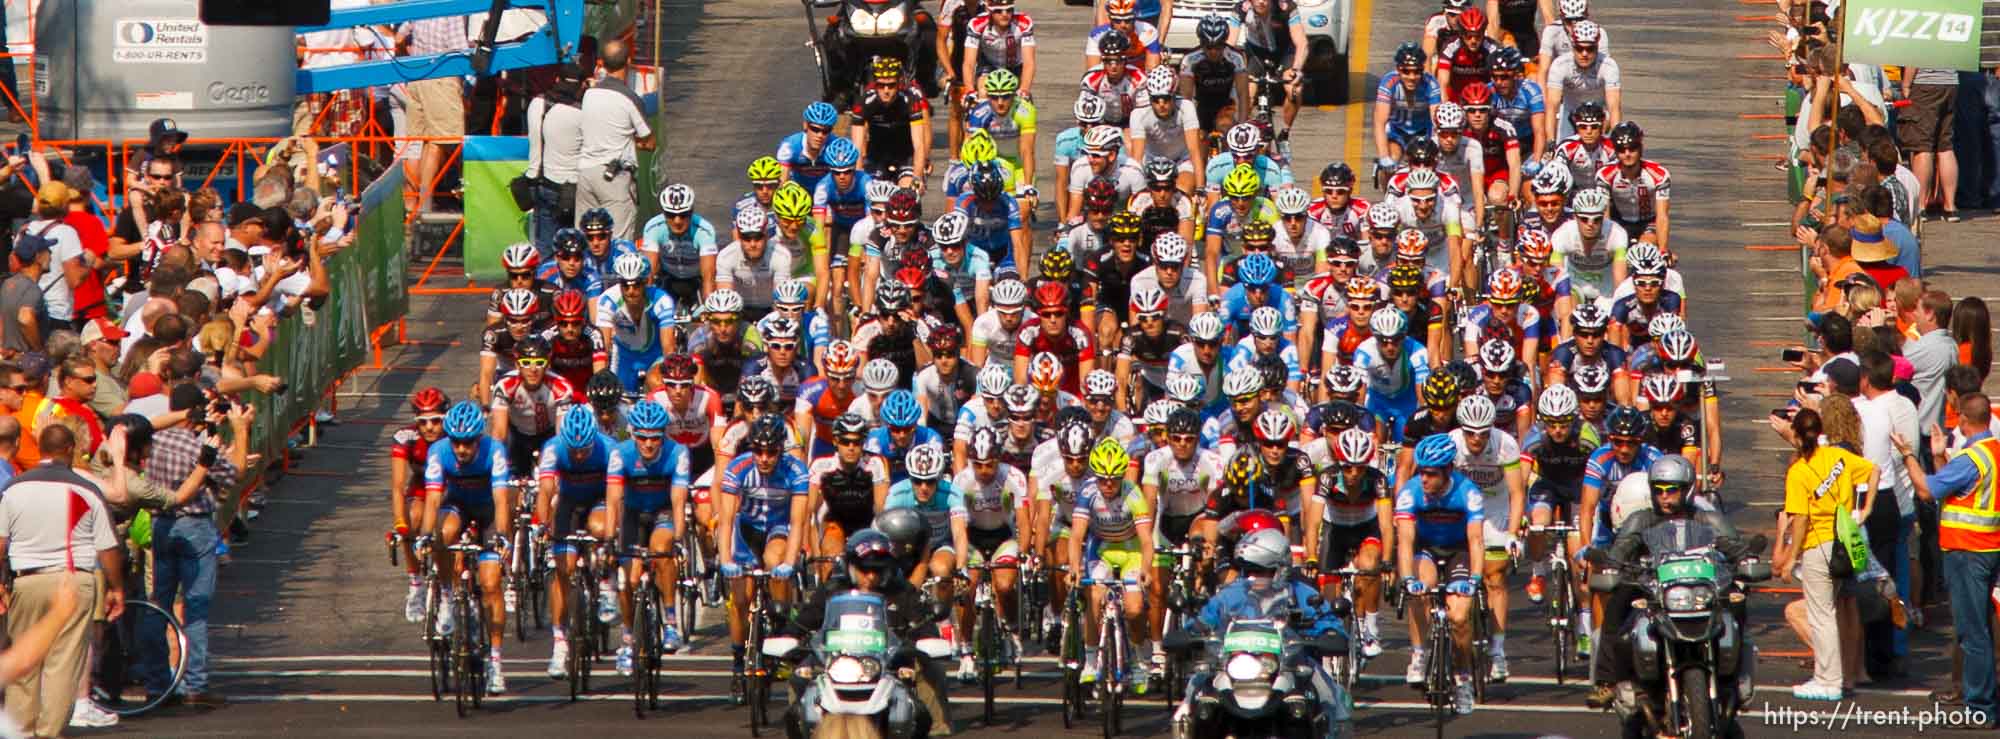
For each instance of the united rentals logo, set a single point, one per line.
(1877, 25)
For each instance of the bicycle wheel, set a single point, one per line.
(1439, 685)
(475, 663)
(1562, 633)
(643, 630)
(1072, 664)
(461, 656)
(578, 626)
(538, 585)
(518, 563)
(1482, 644)
(755, 691)
(131, 634)
(658, 650)
(1110, 678)
(986, 652)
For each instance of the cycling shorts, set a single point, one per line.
(1499, 176)
(992, 545)
(1561, 497)
(479, 518)
(1341, 542)
(1168, 532)
(631, 366)
(1636, 228)
(1394, 411)
(751, 541)
(1115, 559)
(1451, 567)
(570, 516)
(636, 521)
(522, 450)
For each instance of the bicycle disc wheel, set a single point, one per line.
(642, 655)
(131, 629)
(461, 657)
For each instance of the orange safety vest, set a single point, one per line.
(1970, 521)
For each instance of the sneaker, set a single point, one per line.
(559, 660)
(1951, 216)
(1142, 683)
(607, 605)
(1089, 666)
(88, 715)
(1011, 649)
(1418, 664)
(1811, 691)
(1371, 647)
(670, 640)
(1535, 587)
(625, 660)
(968, 670)
(1462, 702)
(711, 588)
(496, 680)
(1600, 697)
(445, 621)
(413, 605)
(1498, 672)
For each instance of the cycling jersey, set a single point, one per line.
(1053, 483)
(1409, 109)
(817, 396)
(766, 499)
(877, 339)
(578, 480)
(1246, 356)
(1637, 316)
(724, 361)
(1293, 476)
(1426, 424)
(679, 253)
(1589, 264)
(879, 443)
(1465, 162)
(1068, 148)
(991, 504)
(470, 484)
(408, 444)
(1006, 128)
(1183, 485)
(840, 207)
(1300, 256)
(1447, 189)
(1165, 137)
(1582, 84)
(1073, 346)
(1560, 464)
(585, 280)
(1604, 472)
(1677, 437)
(1392, 386)
(649, 483)
(946, 504)
(1272, 32)
(575, 360)
(1213, 78)
(1488, 469)
(1351, 222)
(848, 491)
(1113, 519)
(532, 411)
(945, 395)
(999, 47)
(889, 122)
(1481, 326)
(690, 427)
(1585, 159)
(987, 331)
(1520, 109)
(1226, 223)
(786, 378)
(1183, 297)
(1499, 138)
(1119, 92)
(1469, 64)
(1635, 198)
(964, 277)
(1352, 505)
(641, 335)
(1150, 353)
(991, 227)
(1441, 520)
(806, 169)
(1442, 224)
(1271, 173)
(1566, 356)
(499, 343)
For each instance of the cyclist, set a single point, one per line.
(607, 402)
(1440, 517)
(1300, 243)
(1591, 250)
(1583, 75)
(790, 301)
(1235, 420)
(1640, 187)
(992, 383)
(409, 451)
(1548, 284)
(1113, 78)
(970, 271)
(1266, 339)
(780, 364)
(1338, 210)
(1403, 105)
(801, 236)
(878, 378)
(645, 491)
(1100, 399)
(1187, 291)
(1518, 101)
(569, 270)
(600, 246)
(1242, 202)
(1557, 35)
(1633, 312)
(695, 421)
(500, 346)
(1670, 430)
(1440, 394)
(802, 155)
(902, 429)
(1089, 113)
(1202, 359)
(1549, 196)
(1323, 298)
(1464, 60)
(1111, 532)
(995, 220)
(825, 398)
(1592, 381)
(1501, 383)
(765, 174)
(751, 261)
(847, 486)
(948, 383)
(1625, 451)
(841, 199)
(1421, 211)
(1144, 350)
(1168, 127)
(891, 334)
(1499, 143)
(571, 479)
(1216, 75)
(1010, 120)
(1058, 473)
(1259, 284)
(1291, 475)
(891, 127)
(675, 243)
(723, 342)
(639, 318)
(1396, 365)
(1459, 159)
(943, 510)
(1586, 345)
(901, 234)
(1505, 317)
(465, 483)
(1491, 459)
(1176, 479)
(998, 512)
(1001, 39)
(1587, 149)
(1345, 333)
(1051, 332)
(1348, 520)
(1121, 18)
(1678, 351)
(1108, 274)
(521, 262)
(1274, 38)
(995, 330)
(764, 490)
(1424, 317)
(1555, 453)
(526, 403)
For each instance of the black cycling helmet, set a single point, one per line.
(1272, 368)
(1421, 153)
(595, 219)
(568, 241)
(1183, 421)
(1337, 174)
(767, 434)
(1589, 111)
(533, 347)
(1626, 422)
(869, 549)
(850, 426)
(1211, 30)
(1509, 59)
(905, 529)
(1113, 44)
(604, 390)
(1468, 376)
(987, 182)
(1342, 415)
(1409, 54)
(1627, 133)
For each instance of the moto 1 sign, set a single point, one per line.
(1942, 34)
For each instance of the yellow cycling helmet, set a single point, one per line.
(766, 169)
(1001, 82)
(1124, 224)
(792, 202)
(1244, 469)
(1108, 458)
(1242, 182)
(978, 148)
(1057, 264)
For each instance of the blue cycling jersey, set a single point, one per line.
(577, 477)
(766, 499)
(1604, 470)
(680, 253)
(472, 483)
(1441, 520)
(649, 484)
(807, 170)
(586, 280)
(881, 444)
(1236, 308)
(1409, 110)
(991, 229)
(1520, 109)
(945, 504)
(843, 207)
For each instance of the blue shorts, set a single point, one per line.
(639, 523)
(750, 542)
(1402, 138)
(631, 365)
(476, 515)
(1395, 410)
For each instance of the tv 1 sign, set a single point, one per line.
(1941, 34)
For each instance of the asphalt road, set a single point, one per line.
(307, 626)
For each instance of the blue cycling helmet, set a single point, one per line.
(900, 409)
(1436, 450)
(821, 114)
(578, 428)
(647, 416)
(1257, 269)
(465, 421)
(840, 154)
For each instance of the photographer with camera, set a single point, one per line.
(614, 126)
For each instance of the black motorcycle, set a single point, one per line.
(857, 32)
(1693, 660)
(1258, 679)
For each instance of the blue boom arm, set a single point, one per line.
(549, 44)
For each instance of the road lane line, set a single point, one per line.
(1357, 53)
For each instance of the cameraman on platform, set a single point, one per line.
(614, 125)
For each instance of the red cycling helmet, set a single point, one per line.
(1100, 195)
(1472, 20)
(677, 366)
(945, 338)
(1052, 294)
(911, 277)
(1256, 519)
(429, 402)
(1477, 94)
(569, 305)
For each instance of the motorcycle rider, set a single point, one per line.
(1263, 584)
(871, 567)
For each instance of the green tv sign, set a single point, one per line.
(1914, 33)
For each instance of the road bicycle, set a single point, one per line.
(1184, 600)
(753, 685)
(1113, 654)
(527, 579)
(1561, 590)
(469, 648)
(586, 632)
(1346, 668)
(988, 649)
(649, 619)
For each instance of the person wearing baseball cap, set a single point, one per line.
(100, 344)
(164, 139)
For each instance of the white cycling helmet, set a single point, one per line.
(1496, 356)
(1588, 317)
(752, 219)
(1557, 401)
(1010, 293)
(879, 191)
(1590, 201)
(677, 198)
(792, 292)
(723, 300)
(1101, 138)
(1645, 260)
(1020, 399)
(1573, 10)
(925, 462)
(984, 446)
(1663, 324)
(1586, 32)
(518, 302)
(1551, 181)
(1100, 384)
(1661, 389)
(519, 256)
(1590, 377)
(629, 267)
(778, 327)
(1158, 411)
(1170, 248)
(1355, 446)
(1205, 326)
(1185, 387)
(949, 228)
(1345, 378)
(1243, 139)
(1089, 108)
(1677, 345)
(879, 375)
(994, 379)
(1266, 321)
(1387, 323)
(1383, 215)
(1448, 116)
(1291, 200)
(1160, 81)
(1242, 381)
(1275, 425)
(1420, 178)
(1475, 412)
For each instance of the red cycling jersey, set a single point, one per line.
(408, 444)
(1074, 346)
(690, 426)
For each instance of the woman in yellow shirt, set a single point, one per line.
(1822, 480)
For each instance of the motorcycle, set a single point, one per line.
(1266, 685)
(858, 678)
(857, 32)
(1693, 660)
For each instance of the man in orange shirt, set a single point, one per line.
(1833, 261)
(19, 395)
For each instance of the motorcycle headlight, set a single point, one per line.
(887, 23)
(1689, 597)
(854, 670)
(1250, 668)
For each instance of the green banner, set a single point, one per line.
(1941, 34)
(492, 222)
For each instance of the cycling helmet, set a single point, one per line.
(1573, 10)
(1436, 450)
(1440, 390)
(429, 402)
(1589, 111)
(1113, 45)
(903, 527)
(630, 268)
(1156, 413)
(1160, 81)
(1245, 469)
(780, 328)
(1264, 550)
(1010, 293)
(1585, 33)
(1505, 288)
(1212, 30)
(1420, 178)
(1045, 371)
(1589, 317)
(1677, 346)
(595, 220)
(978, 148)
(569, 305)
(1625, 422)
(1073, 440)
(678, 366)
(1509, 59)
(945, 340)
(520, 257)
(792, 293)
(1170, 248)
(1645, 260)
(987, 182)
(1161, 170)
(1259, 232)
(465, 421)
(1591, 377)
(1089, 109)
(878, 191)
(1496, 356)
(1256, 270)
(1100, 195)
(841, 359)
(1100, 384)
(993, 380)
(647, 416)
(723, 300)
(888, 68)
(1291, 200)
(1205, 327)
(1468, 375)
(1421, 154)
(869, 549)
(756, 391)
(604, 389)
(1272, 370)
(1345, 379)
(1387, 324)
(1102, 138)
(792, 202)
(1477, 95)
(1056, 265)
(533, 347)
(1242, 382)
(1361, 289)
(879, 375)
(1472, 20)
(766, 169)
(1665, 323)
(902, 209)
(1671, 470)
(1409, 54)
(752, 219)
(768, 434)
(1475, 412)
(1001, 81)
(1557, 404)
(1243, 139)
(1405, 276)
(1551, 181)
(1535, 244)
(1265, 321)
(891, 296)
(1354, 446)
(1147, 300)
(1119, 10)
(1448, 116)
(1183, 420)
(578, 428)
(1627, 134)
(519, 303)
(1661, 389)
(1185, 387)
(677, 199)
(821, 114)
(1052, 293)
(984, 446)
(1242, 182)
(1382, 215)
(1020, 400)
(925, 462)
(1590, 201)
(1275, 426)
(1109, 458)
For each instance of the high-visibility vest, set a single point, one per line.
(1970, 521)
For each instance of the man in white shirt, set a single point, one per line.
(555, 139)
(614, 125)
(1884, 412)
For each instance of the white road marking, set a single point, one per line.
(1766, 224)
